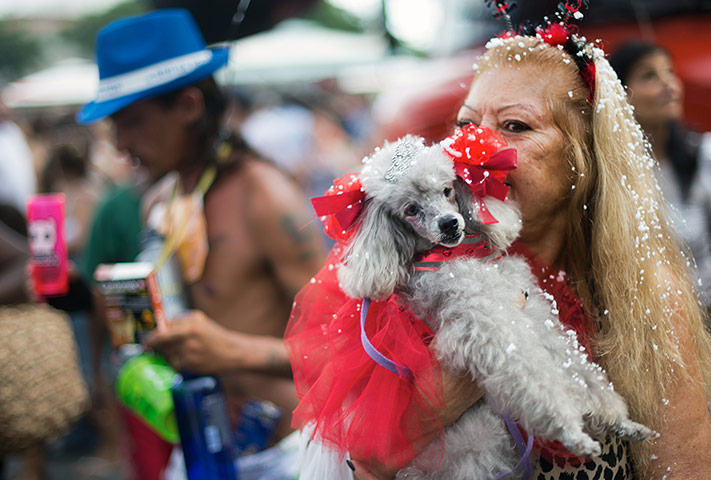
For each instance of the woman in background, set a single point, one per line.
(684, 156)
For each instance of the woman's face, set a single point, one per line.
(514, 102)
(655, 90)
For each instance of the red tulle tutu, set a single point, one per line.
(360, 407)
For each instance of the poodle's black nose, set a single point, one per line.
(449, 225)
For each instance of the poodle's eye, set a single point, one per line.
(448, 192)
(411, 210)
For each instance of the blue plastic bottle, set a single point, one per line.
(204, 426)
(256, 426)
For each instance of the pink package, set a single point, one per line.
(48, 248)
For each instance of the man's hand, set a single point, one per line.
(194, 342)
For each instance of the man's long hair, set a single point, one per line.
(209, 128)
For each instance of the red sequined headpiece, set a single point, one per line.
(558, 32)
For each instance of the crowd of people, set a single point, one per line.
(586, 185)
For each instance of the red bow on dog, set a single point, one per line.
(340, 206)
(483, 162)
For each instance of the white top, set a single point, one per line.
(692, 218)
(17, 175)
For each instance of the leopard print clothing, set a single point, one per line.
(613, 464)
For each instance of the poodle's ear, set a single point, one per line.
(378, 257)
(501, 234)
(465, 203)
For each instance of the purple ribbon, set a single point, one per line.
(373, 352)
(524, 449)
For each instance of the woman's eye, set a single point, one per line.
(515, 126)
(411, 210)
(648, 75)
(447, 192)
(463, 123)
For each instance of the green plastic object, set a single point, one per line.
(143, 384)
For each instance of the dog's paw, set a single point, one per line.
(627, 429)
(581, 444)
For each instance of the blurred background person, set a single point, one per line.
(656, 92)
(17, 171)
(263, 244)
(44, 390)
(14, 258)
(306, 134)
(68, 170)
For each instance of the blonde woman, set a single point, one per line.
(594, 224)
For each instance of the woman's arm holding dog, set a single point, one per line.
(460, 393)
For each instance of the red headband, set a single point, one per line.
(557, 33)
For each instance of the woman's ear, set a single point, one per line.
(378, 257)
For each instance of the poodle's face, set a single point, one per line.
(431, 210)
(415, 184)
(413, 200)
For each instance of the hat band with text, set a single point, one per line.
(152, 76)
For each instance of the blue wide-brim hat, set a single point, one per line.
(148, 55)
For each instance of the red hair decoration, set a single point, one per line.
(482, 160)
(503, 10)
(555, 34)
(340, 206)
(588, 74)
(561, 33)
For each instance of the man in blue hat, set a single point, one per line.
(156, 85)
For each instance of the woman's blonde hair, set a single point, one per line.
(629, 265)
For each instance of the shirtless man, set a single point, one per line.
(263, 243)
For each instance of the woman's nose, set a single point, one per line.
(488, 122)
(671, 81)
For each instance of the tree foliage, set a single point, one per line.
(19, 52)
(331, 16)
(83, 32)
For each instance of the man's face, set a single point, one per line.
(151, 134)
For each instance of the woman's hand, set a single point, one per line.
(363, 472)
(460, 393)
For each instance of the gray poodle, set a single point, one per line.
(514, 347)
